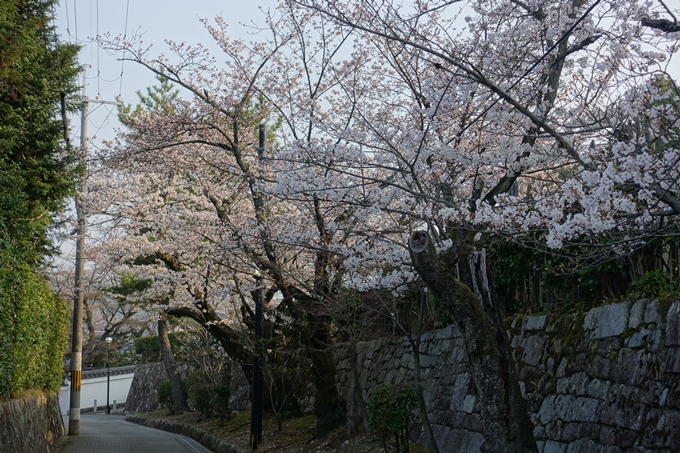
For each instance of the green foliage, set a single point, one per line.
(165, 394)
(149, 348)
(391, 412)
(36, 174)
(158, 98)
(33, 325)
(652, 284)
(206, 397)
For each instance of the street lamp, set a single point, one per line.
(108, 372)
(256, 413)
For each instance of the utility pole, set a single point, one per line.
(77, 333)
(256, 412)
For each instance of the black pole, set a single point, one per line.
(261, 138)
(256, 414)
(108, 376)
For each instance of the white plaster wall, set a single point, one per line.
(95, 388)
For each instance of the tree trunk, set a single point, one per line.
(507, 427)
(358, 390)
(329, 406)
(179, 398)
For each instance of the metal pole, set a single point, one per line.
(256, 414)
(108, 376)
(77, 334)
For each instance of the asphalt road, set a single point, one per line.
(101, 433)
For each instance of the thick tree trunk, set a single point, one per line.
(507, 427)
(179, 399)
(358, 390)
(329, 406)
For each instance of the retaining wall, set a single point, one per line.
(31, 424)
(606, 381)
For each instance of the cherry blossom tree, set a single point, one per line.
(529, 117)
(403, 133)
(191, 189)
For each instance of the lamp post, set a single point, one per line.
(108, 372)
(256, 414)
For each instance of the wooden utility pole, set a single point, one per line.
(77, 333)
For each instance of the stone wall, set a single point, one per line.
(143, 396)
(607, 381)
(31, 424)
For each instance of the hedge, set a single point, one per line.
(33, 331)
(150, 349)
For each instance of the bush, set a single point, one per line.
(222, 394)
(391, 412)
(33, 331)
(165, 394)
(150, 350)
(207, 398)
(652, 284)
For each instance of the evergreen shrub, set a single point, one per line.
(391, 412)
(33, 331)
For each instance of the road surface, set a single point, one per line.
(101, 433)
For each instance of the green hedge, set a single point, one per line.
(33, 331)
(150, 350)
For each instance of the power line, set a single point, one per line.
(75, 17)
(531, 68)
(122, 61)
(98, 67)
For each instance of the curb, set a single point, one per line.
(207, 440)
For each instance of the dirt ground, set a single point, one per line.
(297, 435)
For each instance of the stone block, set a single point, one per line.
(662, 430)
(623, 409)
(652, 313)
(673, 325)
(574, 431)
(568, 408)
(597, 389)
(462, 420)
(598, 367)
(630, 366)
(637, 314)
(607, 321)
(534, 346)
(373, 347)
(672, 362)
(574, 384)
(452, 440)
(469, 403)
(554, 447)
(536, 323)
(583, 446)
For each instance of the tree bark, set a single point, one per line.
(329, 406)
(507, 427)
(358, 390)
(179, 398)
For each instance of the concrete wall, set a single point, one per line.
(31, 424)
(607, 381)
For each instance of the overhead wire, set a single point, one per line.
(122, 60)
(531, 68)
(98, 67)
(75, 17)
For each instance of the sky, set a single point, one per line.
(80, 21)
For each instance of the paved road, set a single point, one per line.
(101, 433)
